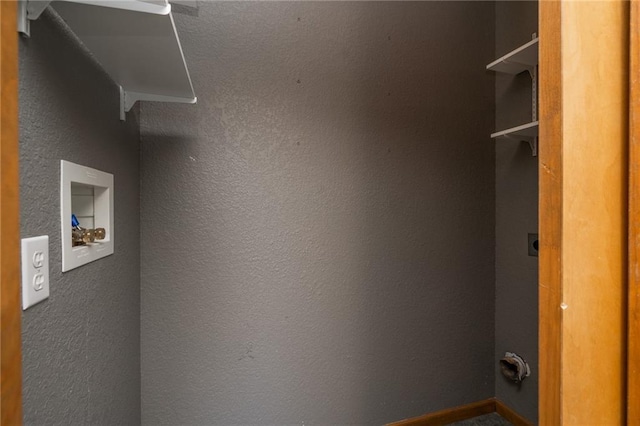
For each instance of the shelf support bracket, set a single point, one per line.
(129, 99)
(124, 107)
(533, 143)
(533, 72)
(29, 10)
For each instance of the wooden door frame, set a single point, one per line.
(10, 338)
(583, 177)
(633, 361)
(553, 149)
(550, 212)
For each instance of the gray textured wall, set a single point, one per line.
(318, 231)
(516, 215)
(81, 350)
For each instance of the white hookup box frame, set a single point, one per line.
(100, 184)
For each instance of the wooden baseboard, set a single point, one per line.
(451, 415)
(464, 412)
(511, 415)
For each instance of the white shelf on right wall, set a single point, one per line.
(526, 133)
(524, 58)
(529, 130)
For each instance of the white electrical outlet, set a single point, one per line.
(35, 270)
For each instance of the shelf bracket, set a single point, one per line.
(533, 72)
(29, 10)
(129, 99)
(533, 143)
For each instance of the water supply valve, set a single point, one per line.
(82, 236)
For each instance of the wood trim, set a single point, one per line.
(633, 362)
(550, 213)
(10, 339)
(451, 415)
(464, 412)
(583, 169)
(595, 129)
(511, 415)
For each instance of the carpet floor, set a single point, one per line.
(493, 419)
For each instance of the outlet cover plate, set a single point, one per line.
(35, 270)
